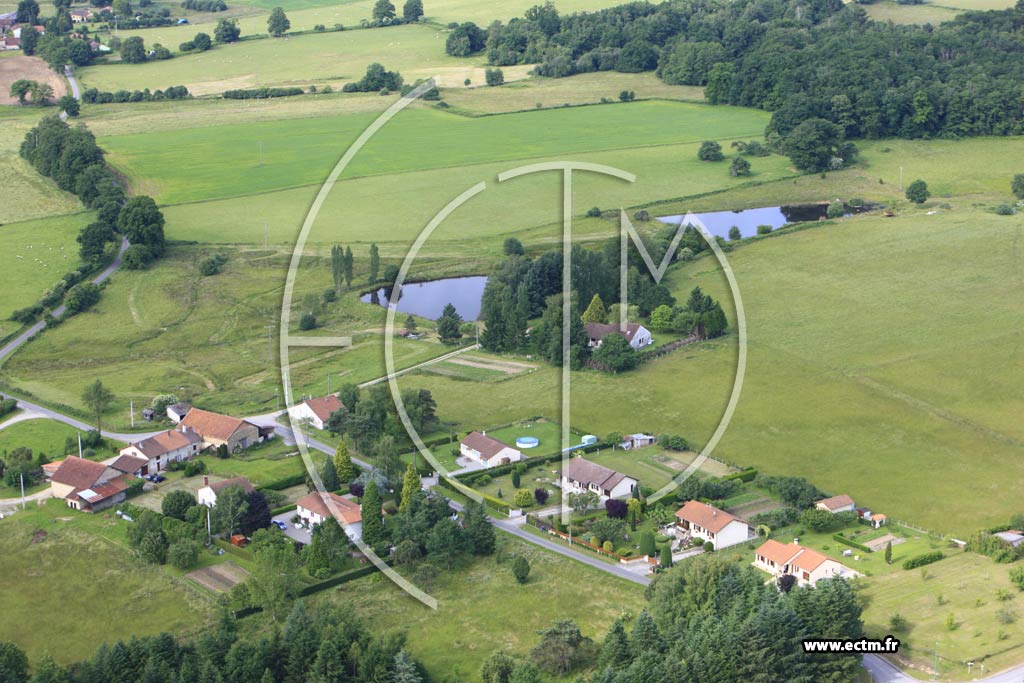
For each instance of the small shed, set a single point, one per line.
(239, 540)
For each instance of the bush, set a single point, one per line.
(923, 559)
(1004, 210)
(212, 265)
(616, 509)
(7, 406)
(81, 297)
(1017, 186)
(710, 151)
(918, 192)
(183, 554)
(194, 467)
(541, 495)
(709, 547)
(627, 96)
(593, 212)
(261, 93)
(1017, 577)
(764, 229)
(521, 569)
(493, 77)
(839, 538)
(523, 498)
(835, 210)
(739, 167)
(307, 322)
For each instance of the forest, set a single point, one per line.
(802, 59)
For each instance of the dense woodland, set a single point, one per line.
(802, 59)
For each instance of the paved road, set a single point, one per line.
(885, 672)
(73, 82)
(22, 338)
(32, 411)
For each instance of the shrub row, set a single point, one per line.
(746, 475)
(7, 406)
(175, 92)
(922, 560)
(839, 538)
(283, 509)
(490, 501)
(261, 93)
(286, 482)
(317, 587)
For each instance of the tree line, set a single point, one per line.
(819, 62)
(312, 644)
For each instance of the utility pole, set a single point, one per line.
(209, 536)
(328, 384)
(79, 444)
(131, 409)
(270, 343)
(935, 666)
(22, 477)
(901, 179)
(261, 152)
(266, 236)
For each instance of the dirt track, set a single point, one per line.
(13, 67)
(218, 578)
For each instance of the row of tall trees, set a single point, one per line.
(312, 644)
(369, 417)
(803, 60)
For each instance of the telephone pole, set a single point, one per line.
(131, 409)
(270, 343)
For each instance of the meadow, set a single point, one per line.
(47, 437)
(331, 58)
(987, 630)
(80, 564)
(477, 605)
(34, 255)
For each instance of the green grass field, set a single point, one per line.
(47, 436)
(478, 607)
(417, 51)
(964, 585)
(31, 195)
(82, 567)
(34, 255)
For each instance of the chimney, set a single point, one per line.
(484, 433)
(206, 480)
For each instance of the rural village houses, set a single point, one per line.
(160, 450)
(637, 335)
(88, 485)
(710, 524)
(807, 565)
(579, 475)
(313, 509)
(207, 495)
(216, 429)
(316, 410)
(479, 447)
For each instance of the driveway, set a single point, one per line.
(293, 532)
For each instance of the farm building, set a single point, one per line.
(808, 566)
(315, 507)
(160, 450)
(216, 430)
(836, 504)
(479, 447)
(579, 476)
(207, 495)
(637, 335)
(708, 523)
(87, 485)
(316, 410)
(177, 412)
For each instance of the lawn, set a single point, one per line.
(47, 436)
(964, 585)
(547, 432)
(652, 466)
(79, 575)
(34, 255)
(482, 609)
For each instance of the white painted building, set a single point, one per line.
(708, 523)
(580, 476)
(481, 448)
(807, 565)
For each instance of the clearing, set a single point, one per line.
(18, 66)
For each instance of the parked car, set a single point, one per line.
(281, 525)
(157, 478)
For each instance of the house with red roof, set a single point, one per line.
(710, 524)
(317, 410)
(315, 507)
(806, 565)
(88, 485)
(207, 495)
(160, 450)
(217, 430)
(836, 504)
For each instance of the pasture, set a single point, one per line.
(48, 437)
(477, 604)
(34, 255)
(68, 565)
(987, 630)
(333, 58)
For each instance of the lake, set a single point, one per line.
(428, 299)
(718, 223)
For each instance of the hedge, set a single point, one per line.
(286, 482)
(317, 587)
(283, 509)
(839, 538)
(746, 475)
(261, 93)
(922, 560)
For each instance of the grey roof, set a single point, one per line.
(586, 472)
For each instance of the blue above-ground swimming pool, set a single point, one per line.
(527, 442)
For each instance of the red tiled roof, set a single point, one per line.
(485, 445)
(96, 494)
(348, 510)
(706, 516)
(130, 464)
(323, 406)
(779, 553)
(215, 425)
(78, 472)
(808, 559)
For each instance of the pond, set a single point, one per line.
(428, 299)
(719, 223)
